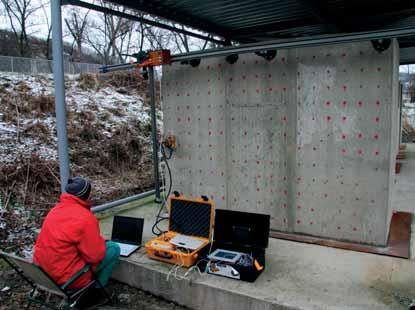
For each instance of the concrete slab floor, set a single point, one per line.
(297, 276)
(403, 198)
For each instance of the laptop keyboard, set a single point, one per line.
(126, 249)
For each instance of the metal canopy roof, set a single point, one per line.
(253, 20)
(248, 21)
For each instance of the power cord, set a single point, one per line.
(159, 218)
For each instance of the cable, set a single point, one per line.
(159, 217)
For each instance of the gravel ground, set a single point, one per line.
(13, 296)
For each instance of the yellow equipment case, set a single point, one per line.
(191, 217)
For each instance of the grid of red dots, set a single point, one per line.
(270, 174)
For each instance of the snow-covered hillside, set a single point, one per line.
(111, 107)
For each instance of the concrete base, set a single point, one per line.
(297, 276)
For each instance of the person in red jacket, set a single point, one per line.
(70, 239)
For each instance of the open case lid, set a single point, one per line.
(191, 216)
(241, 228)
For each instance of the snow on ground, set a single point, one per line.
(109, 106)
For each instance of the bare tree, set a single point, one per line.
(115, 38)
(159, 38)
(19, 13)
(185, 44)
(77, 25)
(45, 8)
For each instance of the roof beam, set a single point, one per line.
(156, 8)
(283, 44)
(318, 11)
(143, 20)
(248, 35)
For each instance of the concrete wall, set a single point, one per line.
(306, 137)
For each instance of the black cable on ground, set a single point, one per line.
(160, 218)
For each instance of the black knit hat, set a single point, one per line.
(78, 187)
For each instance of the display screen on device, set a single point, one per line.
(226, 255)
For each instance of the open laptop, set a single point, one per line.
(128, 233)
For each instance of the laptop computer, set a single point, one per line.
(128, 233)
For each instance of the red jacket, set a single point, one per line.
(69, 239)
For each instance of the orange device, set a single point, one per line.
(156, 58)
(188, 218)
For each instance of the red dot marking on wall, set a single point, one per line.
(344, 136)
(298, 221)
(359, 135)
(377, 119)
(360, 104)
(298, 207)
(344, 118)
(376, 136)
(344, 151)
(360, 152)
(328, 118)
(328, 103)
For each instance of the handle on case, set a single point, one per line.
(166, 256)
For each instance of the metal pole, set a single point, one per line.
(60, 106)
(154, 132)
(117, 203)
(281, 44)
(318, 40)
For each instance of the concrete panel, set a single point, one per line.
(306, 137)
(344, 99)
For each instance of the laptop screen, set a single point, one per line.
(127, 229)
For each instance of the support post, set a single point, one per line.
(60, 106)
(154, 132)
